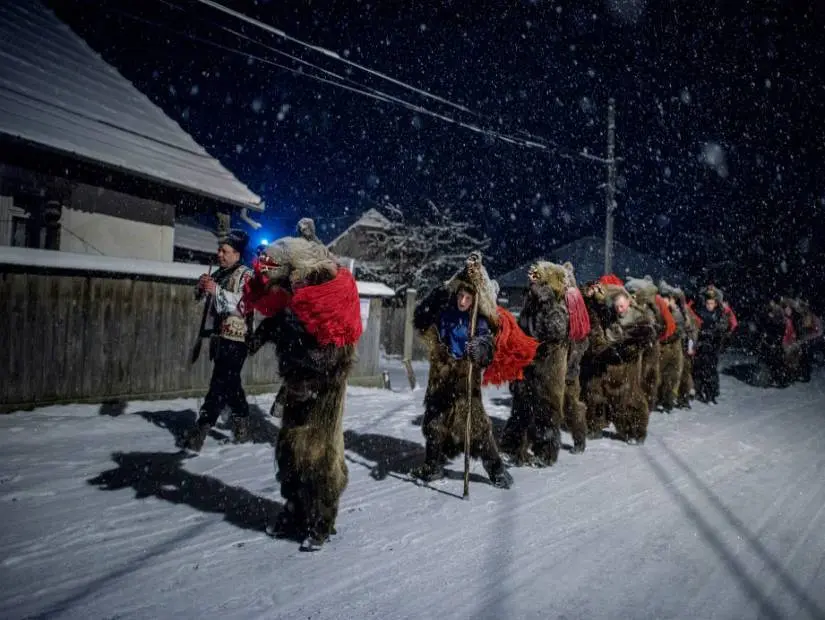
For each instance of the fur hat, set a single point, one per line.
(306, 229)
(570, 279)
(236, 239)
(636, 285)
(474, 278)
(666, 290)
(552, 275)
(711, 292)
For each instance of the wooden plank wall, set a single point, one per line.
(78, 338)
(392, 334)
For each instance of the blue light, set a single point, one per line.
(264, 241)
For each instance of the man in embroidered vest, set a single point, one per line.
(227, 346)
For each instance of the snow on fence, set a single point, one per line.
(82, 328)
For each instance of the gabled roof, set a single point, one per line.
(370, 219)
(587, 256)
(57, 93)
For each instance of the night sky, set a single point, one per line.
(720, 117)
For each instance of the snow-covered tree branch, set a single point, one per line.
(421, 253)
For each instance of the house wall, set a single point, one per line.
(103, 221)
(97, 233)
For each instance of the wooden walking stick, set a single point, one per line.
(467, 426)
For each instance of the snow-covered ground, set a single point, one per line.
(721, 514)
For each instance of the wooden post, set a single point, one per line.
(610, 187)
(409, 334)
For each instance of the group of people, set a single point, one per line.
(789, 332)
(577, 358)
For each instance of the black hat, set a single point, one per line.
(237, 239)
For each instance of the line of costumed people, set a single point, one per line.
(576, 359)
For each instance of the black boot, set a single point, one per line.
(498, 474)
(194, 438)
(240, 428)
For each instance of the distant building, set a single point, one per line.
(587, 256)
(354, 241)
(89, 164)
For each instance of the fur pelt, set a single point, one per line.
(538, 400)
(644, 292)
(473, 277)
(446, 406)
(671, 364)
(611, 368)
(310, 446)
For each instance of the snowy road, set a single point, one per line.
(721, 514)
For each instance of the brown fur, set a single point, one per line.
(671, 364)
(310, 447)
(537, 413)
(611, 376)
(645, 297)
(446, 407)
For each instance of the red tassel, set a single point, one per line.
(515, 351)
(611, 279)
(670, 322)
(579, 318)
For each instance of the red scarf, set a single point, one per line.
(514, 351)
(667, 315)
(579, 318)
(331, 311)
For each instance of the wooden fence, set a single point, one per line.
(78, 336)
(392, 334)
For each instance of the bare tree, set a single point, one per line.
(418, 254)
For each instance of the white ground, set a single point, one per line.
(721, 514)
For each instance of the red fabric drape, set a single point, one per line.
(694, 315)
(331, 311)
(611, 278)
(733, 322)
(514, 351)
(579, 318)
(667, 315)
(790, 333)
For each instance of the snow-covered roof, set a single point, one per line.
(70, 261)
(374, 289)
(56, 92)
(195, 238)
(587, 256)
(371, 218)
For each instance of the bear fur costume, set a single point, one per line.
(538, 400)
(644, 292)
(310, 447)
(449, 398)
(575, 411)
(611, 367)
(672, 361)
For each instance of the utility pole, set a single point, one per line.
(610, 187)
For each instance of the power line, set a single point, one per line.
(532, 142)
(365, 90)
